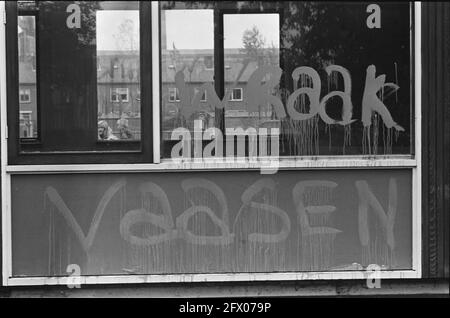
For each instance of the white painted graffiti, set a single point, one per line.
(265, 79)
(179, 229)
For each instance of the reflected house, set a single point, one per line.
(360, 202)
(27, 83)
(118, 89)
(197, 66)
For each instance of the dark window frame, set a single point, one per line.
(27, 152)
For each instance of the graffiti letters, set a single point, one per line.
(179, 229)
(262, 82)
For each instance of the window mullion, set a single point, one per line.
(156, 82)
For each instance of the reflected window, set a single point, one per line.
(173, 94)
(28, 107)
(119, 95)
(118, 63)
(26, 124)
(204, 98)
(25, 95)
(209, 62)
(236, 95)
(311, 74)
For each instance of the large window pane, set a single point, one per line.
(79, 75)
(251, 41)
(335, 79)
(361, 57)
(187, 49)
(118, 75)
(211, 222)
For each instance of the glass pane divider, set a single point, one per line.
(155, 83)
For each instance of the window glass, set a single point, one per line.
(25, 95)
(214, 222)
(209, 62)
(251, 41)
(174, 96)
(187, 64)
(236, 94)
(79, 74)
(333, 78)
(118, 64)
(26, 35)
(204, 98)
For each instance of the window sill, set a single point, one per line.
(224, 164)
(197, 278)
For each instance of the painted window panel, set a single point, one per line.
(211, 222)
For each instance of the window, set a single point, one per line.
(255, 44)
(27, 124)
(209, 62)
(314, 82)
(204, 97)
(25, 95)
(313, 91)
(173, 95)
(236, 95)
(80, 78)
(305, 77)
(119, 95)
(185, 53)
(28, 104)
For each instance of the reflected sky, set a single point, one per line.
(108, 28)
(236, 24)
(188, 29)
(194, 29)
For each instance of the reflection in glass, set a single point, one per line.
(79, 74)
(27, 77)
(118, 75)
(251, 41)
(187, 48)
(328, 62)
